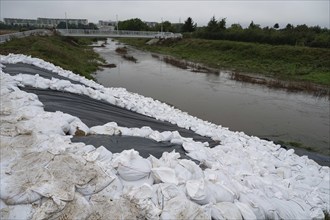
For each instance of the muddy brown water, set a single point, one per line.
(256, 110)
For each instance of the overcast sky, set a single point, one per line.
(267, 12)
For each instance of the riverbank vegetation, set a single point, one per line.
(283, 62)
(299, 35)
(70, 53)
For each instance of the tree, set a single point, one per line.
(189, 25)
(134, 24)
(254, 26)
(167, 27)
(212, 26)
(236, 27)
(222, 24)
(276, 26)
(289, 27)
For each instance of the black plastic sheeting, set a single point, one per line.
(14, 69)
(144, 146)
(93, 112)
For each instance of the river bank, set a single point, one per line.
(303, 64)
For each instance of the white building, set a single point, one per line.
(107, 25)
(43, 22)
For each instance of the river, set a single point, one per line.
(256, 110)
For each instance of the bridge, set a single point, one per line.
(116, 33)
(91, 33)
(7, 37)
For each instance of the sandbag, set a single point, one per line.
(164, 192)
(187, 169)
(181, 208)
(18, 212)
(141, 196)
(164, 174)
(134, 170)
(198, 191)
(226, 210)
(245, 210)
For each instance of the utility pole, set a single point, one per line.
(161, 27)
(66, 23)
(117, 25)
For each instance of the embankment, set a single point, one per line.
(70, 53)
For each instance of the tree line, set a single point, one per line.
(300, 35)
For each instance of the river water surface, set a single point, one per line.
(254, 109)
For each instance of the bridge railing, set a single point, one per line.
(115, 33)
(7, 37)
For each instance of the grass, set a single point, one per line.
(69, 53)
(281, 62)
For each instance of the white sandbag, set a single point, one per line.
(222, 177)
(124, 157)
(91, 156)
(78, 208)
(168, 159)
(193, 146)
(79, 148)
(182, 208)
(317, 213)
(110, 128)
(141, 196)
(145, 131)
(198, 191)
(164, 174)
(200, 156)
(104, 154)
(78, 127)
(22, 177)
(113, 191)
(137, 183)
(2, 204)
(120, 208)
(166, 135)
(289, 209)
(164, 192)
(48, 208)
(102, 179)
(63, 184)
(193, 168)
(134, 169)
(260, 205)
(155, 135)
(220, 193)
(226, 210)
(182, 174)
(18, 212)
(245, 210)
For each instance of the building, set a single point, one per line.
(151, 24)
(43, 22)
(107, 25)
(20, 22)
(53, 22)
